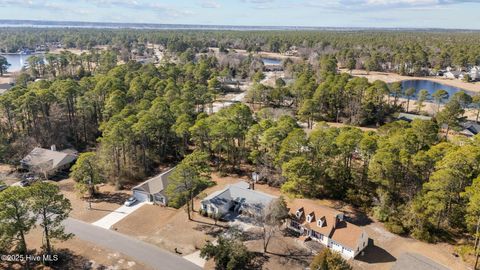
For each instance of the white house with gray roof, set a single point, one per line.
(153, 190)
(236, 198)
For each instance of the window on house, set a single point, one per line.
(309, 218)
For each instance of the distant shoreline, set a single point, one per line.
(393, 77)
(157, 26)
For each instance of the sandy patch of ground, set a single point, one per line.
(7, 78)
(75, 50)
(169, 228)
(8, 174)
(393, 77)
(82, 255)
(271, 77)
(106, 202)
(283, 252)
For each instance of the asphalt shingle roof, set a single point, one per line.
(47, 159)
(155, 184)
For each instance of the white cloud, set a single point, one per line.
(382, 4)
(209, 4)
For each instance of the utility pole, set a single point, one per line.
(89, 195)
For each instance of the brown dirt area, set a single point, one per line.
(78, 254)
(7, 77)
(169, 228)
(106, 202)
(8, 174)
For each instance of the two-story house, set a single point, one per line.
(328, 227)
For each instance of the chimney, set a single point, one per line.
(53, 147)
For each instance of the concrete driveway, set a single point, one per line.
(107, 221)
(140, 251)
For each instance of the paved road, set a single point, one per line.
(140, 251)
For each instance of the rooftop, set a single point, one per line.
(340, 231)
(241, 193)
(155, 184)
(410, 117)
(48, 159)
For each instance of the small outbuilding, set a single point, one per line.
(153, 190)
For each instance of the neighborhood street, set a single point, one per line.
(148, 254)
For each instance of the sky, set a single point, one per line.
(460, 14)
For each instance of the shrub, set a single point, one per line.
(328, 259)
(394, 227)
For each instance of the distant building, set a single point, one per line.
(470, 128)
(238, 199)
(409, 117)
(47, 162)
(475, 73)
(328, 227)
(153, 190)
(452, 74)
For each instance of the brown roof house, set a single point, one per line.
(328, 227)
(48, 162)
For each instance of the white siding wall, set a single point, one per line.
(362, 243)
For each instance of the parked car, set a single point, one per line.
(130, 201)
(24, 183)
(3, 187)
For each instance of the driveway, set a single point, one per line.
(147, 254)
(107, 221)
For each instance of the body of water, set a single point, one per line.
(432, 86)
(16, 61)
(271, 62)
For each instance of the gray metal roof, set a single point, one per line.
(410, 117)
(471, 127)
(239, 192)
(414, 261)
(155, 184)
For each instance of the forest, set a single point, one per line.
(403, 52)
(135, 117)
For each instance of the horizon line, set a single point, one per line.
(7, 23)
